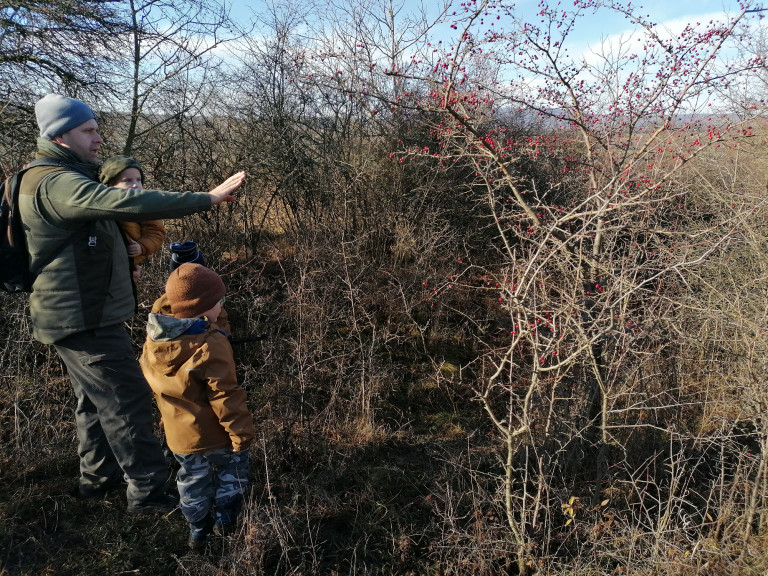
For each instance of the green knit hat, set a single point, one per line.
(112, 167)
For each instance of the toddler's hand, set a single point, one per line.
(134, 248)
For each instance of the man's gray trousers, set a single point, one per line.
(114, 414)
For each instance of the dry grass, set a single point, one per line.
(375, 457)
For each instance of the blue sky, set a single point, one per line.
(668, 13)
(597, 39)
(591, 31)
(599, 25)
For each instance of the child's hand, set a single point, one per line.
(136, 273)
(134, 248)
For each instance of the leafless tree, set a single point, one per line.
(48, 46)
(167, 65)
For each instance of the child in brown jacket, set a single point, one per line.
(188, 362)
(143, 238)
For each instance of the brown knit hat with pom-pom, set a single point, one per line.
(193, 289)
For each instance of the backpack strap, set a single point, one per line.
(49, 161)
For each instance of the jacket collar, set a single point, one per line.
(162, 328)
(48, 148)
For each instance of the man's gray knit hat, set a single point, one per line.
(56, 114)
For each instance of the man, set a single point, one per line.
(82, 295)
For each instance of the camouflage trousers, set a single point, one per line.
(211, 487)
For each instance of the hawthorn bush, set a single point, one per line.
(593, 250)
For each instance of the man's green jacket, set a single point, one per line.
(69, 215)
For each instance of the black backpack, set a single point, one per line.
(15, 273)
